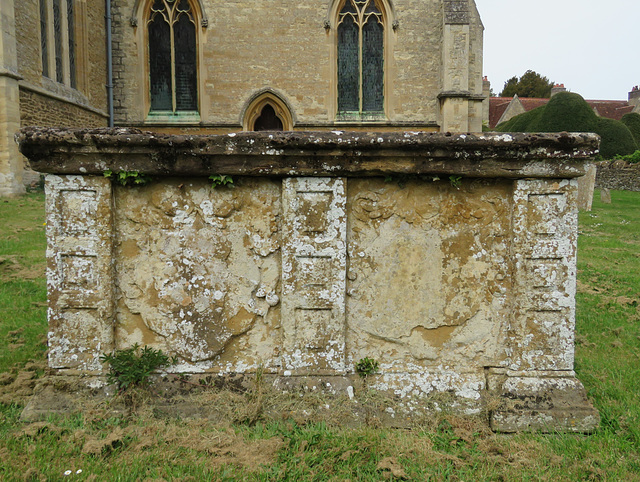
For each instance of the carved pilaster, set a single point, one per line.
(314, 274)
(79, 271)
(539, 385)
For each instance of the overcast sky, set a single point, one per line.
(590, 46)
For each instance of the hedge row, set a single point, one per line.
(569, 112)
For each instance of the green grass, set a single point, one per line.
(23, 325)
(445, 448)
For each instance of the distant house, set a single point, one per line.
(501, 109)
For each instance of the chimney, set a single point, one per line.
(557, 88)
(634, 97)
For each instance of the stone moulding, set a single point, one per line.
(449, 259)
(336, 153)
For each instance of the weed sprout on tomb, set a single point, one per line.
(128, 178)
(456, 181)
(132, 367)
(221, 180)
(367, 366)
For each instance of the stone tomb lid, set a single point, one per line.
(307, 153)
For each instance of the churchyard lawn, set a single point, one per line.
(259, 444)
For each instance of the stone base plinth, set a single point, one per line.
(542, 402)
(527, 403)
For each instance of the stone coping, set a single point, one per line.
(335, 153)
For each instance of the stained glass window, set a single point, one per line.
(44, 41)
(360, 58)
(57, 35)
(71, 27)
(173, 73)
(58, 59)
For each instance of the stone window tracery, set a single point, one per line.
(173, 77)
(360, 30)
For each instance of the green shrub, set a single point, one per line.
(632, 121)
(570, 112)
(520, 123)
(567, 112)
(633, 158)
(132, 367)
(616, 138)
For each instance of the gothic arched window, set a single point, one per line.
(173, 75)
(360, 58)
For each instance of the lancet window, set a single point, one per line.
(360, 58)
(58, 40)
(173, 77)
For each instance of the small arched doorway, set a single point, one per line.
(267, 112)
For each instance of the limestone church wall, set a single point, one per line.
(289, 48)
(44, 81)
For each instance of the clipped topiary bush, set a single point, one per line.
(570, 112)
(616, 138)
(566, 112)
(632, 121)
(521, 123)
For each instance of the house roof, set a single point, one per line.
(530, 103)
(611, 109)
(497, 106)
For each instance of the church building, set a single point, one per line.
(212, 66)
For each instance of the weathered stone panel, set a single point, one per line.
(194, 277)
(440, 253)
(79, 271)
(314, 274)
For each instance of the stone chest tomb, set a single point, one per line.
(449, 259)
